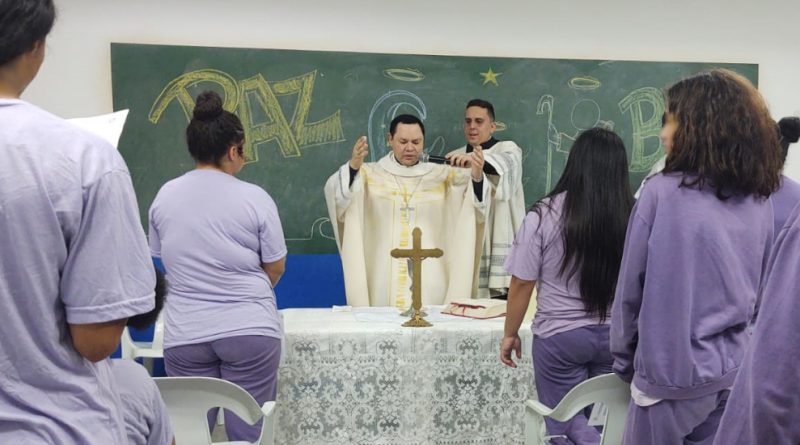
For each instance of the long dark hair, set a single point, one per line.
(725, 137)
(595, 215)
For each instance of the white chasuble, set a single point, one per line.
(377, 214)
(505, 215)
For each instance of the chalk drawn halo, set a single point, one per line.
(404, 74)
(584, 83)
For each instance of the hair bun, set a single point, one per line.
(207, 106)
(790, 128)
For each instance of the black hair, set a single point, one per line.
(212, 130)
(483, 104)
(143, 321)
(788, 133)
(407, 119)
(22, 24)
(594, 219)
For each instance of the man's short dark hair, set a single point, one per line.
(483, 104)
(408, 119)
(22, 24)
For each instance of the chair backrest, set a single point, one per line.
(158, 333)
(126, 343)
(607, 389)
(134, 349)
(188, 400)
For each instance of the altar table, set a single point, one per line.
(355, 376)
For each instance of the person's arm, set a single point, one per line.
(505, 161)
(108, 275)
(353, 174)
(275, 270)
(477, 189)
(360, 151)
(346, 182)
(768, 264)
(519, 297)
(489, 169)
(628, 299)
(273, 245)
(524, 263)
(765, 399)
(476, 163)
(96, 341)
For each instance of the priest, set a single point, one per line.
(374, 207)
(503, 169)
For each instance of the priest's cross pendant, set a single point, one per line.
(416, 254)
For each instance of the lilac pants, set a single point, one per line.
(676, 422)
(560, 362)
(250, 361)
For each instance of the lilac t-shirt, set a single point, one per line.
(146, 419)
(213, 231)
(537, 254)
(73, 251)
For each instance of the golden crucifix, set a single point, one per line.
(416, 254)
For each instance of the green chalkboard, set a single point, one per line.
(302, 111)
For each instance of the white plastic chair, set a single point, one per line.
(188, 400)
(607, 389)
(147, 350)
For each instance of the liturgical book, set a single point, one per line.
(476, 308)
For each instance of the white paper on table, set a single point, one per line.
(107, 126)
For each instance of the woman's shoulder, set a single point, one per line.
(254, 195)
(550, 206)
(253, 191)
(547, 211)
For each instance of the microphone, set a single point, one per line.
(433, 159)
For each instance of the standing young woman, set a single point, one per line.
(697, 243)
(222, 245)
(570, 246)
(73, 257)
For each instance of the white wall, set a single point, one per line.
(76, 77)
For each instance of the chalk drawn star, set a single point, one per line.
(490, 76)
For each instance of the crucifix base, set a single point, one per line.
(417, 322)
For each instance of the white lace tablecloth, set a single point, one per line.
(358, 377)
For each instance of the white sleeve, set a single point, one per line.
(342, 191)
(508, 163)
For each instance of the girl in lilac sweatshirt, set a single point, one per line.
(697, 243)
